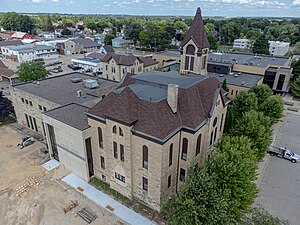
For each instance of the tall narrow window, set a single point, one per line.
(221, 124)
(192, 64)
(115, 150)
(187, 63)
(171, 155)
(120, 131)
(211, 137)
(215, 135)
(169, 181)
(184, 149)
(27, 120)
(203, 62)
(145, 184)
(100, 137)
(115, 129)
(35, 126)
(145, 157)
(102, 162)
(122, 153)
(198, 146)
(182, 174)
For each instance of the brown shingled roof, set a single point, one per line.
(86, 42)
(11, 43)
(126, 60)
(197, 32)
(148, 61)
(156, 119)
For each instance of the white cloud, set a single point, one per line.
(136, 1)
(150, 1)
(296, 2)
(38, 1)
(55, 0)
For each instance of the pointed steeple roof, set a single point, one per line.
(197, 32)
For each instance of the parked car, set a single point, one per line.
(56, 70)
(73, 67)
(284, 153)
(97, 73)
(54, 63)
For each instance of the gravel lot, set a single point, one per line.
(279, 187)
(41, 204)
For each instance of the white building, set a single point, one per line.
(278, 48)
(28, 52)
(88, 64)
(242, 43)
(120, 42)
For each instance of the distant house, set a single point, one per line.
(86, 45)
(106, 49)
(10, 43)
(120, 42)
(20, 35)
(68, 47)
(99, 38)
(7, 74)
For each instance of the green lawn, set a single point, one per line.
(7, 120)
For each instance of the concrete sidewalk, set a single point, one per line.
(105, 201)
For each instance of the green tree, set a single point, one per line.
(108, 39)
(256, 126)
(259, 216)
(296, 68)
(224, 84)
(295, 88)
(15, 22)
(180, 25)
(272, 107)
(48, 25)
(212, 42)
(66, 32)
(32, 71)
(6, 107)
(261, 45)
(199, 202)
(234, 166)
(262, 92)
(244, 102)
(296, 49)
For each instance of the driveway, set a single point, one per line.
(280, 184)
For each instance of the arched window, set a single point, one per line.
(184, 148)
(100, 137)
(120, 131)
(115, 129)
(145, 157)
(171, 155)
(198, 146)
(221, 124)
(190, 50)
(215, 121)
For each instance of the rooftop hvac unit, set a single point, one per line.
(76, 80)
(90, 83)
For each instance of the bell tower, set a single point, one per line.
(194, 48)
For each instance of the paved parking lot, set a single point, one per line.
(280, 185)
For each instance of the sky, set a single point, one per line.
(230, 8)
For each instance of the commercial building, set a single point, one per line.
(242, 43)
(28, 52)
(88, 64)
(278, 48)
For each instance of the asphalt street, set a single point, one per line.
(280, 184)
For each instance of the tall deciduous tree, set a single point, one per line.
(32, 71)
(234, 166)
(296, 67)
(272, 107)
(256, 126)
(262, 92)
(261, 45)
(295, 88)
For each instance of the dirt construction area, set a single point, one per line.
(31, 196)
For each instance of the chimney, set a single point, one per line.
(79, 94)
(172, 97)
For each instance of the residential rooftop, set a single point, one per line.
(62, 91)
(72, 115)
